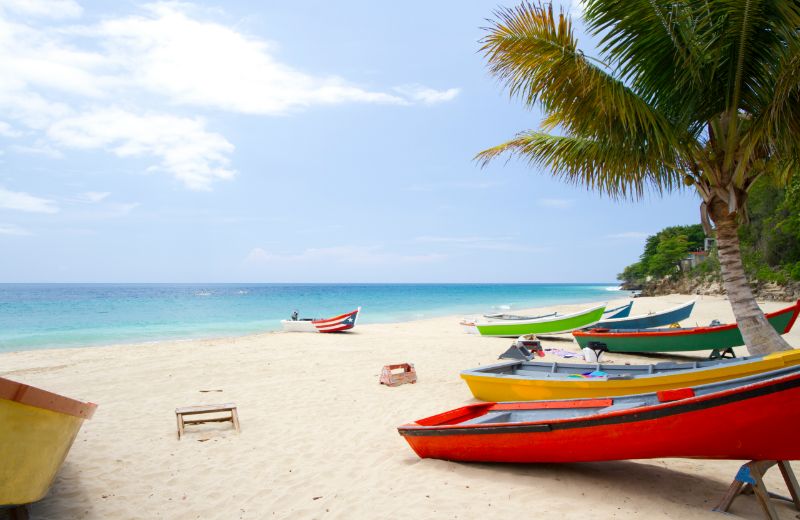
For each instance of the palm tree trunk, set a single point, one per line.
(759, 336)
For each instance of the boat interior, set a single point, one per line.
(528, 369)
(535, 411)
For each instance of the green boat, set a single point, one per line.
(551, 324)
(718, 338)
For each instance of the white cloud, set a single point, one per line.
(427, 95)
(7, 131)
(44, 8)
(38, 148)
(94, 205)
(56, 82)
(121, 209)
(95, 196)
(556, 203)
(208, 64)
(187, 151)
(629, 235)
(347, 255)
(21, 201)
(37, 57)
(11, 229)
(508, 244)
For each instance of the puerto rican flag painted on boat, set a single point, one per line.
(339, 323)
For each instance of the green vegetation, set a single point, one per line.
(771, 239)
(770, 242)
(663, 253)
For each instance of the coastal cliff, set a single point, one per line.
(707, 286)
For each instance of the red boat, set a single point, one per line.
(752, 418)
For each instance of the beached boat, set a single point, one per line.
(718, 337)
(37, 429)
(617, 312)
(532, 381)
(550, 324)
(648, 321)
(336, 324)
(751, 418)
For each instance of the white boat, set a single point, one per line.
(336, 324)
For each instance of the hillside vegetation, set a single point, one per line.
(770, 243)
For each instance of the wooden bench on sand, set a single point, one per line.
(206, 409)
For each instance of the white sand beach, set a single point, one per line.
(319, 437)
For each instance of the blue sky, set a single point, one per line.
(281, 142)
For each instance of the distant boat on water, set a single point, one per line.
(336, 324)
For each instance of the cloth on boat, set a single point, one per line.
(566, 354)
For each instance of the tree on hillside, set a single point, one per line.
(685, 93)
(773, 232)
(668, 255)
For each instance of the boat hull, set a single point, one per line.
(680, 340)
(298, 326)
(510, 388)
(339, 323)
(554, 325)
(622, 311)
(754, 422)
(34, 440)
(659, 319)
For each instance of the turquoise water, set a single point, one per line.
(68, 315)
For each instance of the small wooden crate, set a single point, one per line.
(206, 409)
(391, 378)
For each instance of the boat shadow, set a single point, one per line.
(629, 483)
(66, 494)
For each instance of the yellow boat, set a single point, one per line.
(533, 381)
(37, 429)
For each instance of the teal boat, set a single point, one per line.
(716, 337)
(550, 324)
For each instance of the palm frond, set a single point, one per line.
(654, 46)
(534, 52)
(778, 124)
(618, 171)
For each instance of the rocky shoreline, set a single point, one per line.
(686, 285)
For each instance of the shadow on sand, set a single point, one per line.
(628, 483)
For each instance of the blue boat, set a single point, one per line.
(648, 321)
(623, 311)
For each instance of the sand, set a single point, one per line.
(319, 435)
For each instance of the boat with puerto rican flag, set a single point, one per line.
(648, 321)
(538, 380)
(336, 324)
(750, 418)
(37, 429)
(717, 338)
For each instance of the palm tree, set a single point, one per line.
(702, 93)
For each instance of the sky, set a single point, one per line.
(282, 142)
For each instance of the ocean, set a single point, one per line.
(35, 316)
